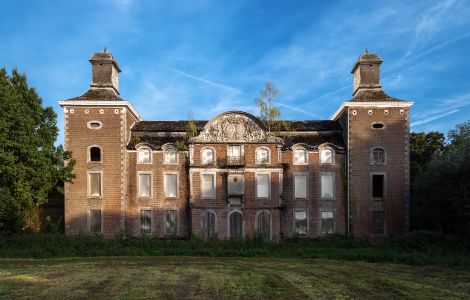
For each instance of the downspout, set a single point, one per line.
(348, 174)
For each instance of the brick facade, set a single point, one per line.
(235, 178)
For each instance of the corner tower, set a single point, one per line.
(376, 128)
(96, 130)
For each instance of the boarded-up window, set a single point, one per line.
(95, 154)
(144, 155)
(300, 186)
(208, 225)
(262, 156)
(207, 156)
(95, 184)
(300, 222)
(208, 185)
(170, 156)
(326, 156)
(262, 186)
(95, 220)
(378, 156)
(236, 226)
(263, 226)
(145, 221)
(300, 156)
(145, 185)
(327, 222)
(327, 186)
(378, 222)
(171, 186)
(171, 222)
(377, 187)
(235, 184)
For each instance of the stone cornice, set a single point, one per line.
(101, 103)
(377, 104)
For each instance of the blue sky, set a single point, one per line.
(206, 57)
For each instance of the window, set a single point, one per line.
(327, 185)
(171, 185)
(263, 225)
(300, 186)
(378, 223)
(95, 220)
(207, 156)
(234, 155)
(171, 222)
(300, 222)
(236, 184)
(208, 225)
(377, 187)
(326, 156)
(378, 156)
(300, 156)
(262, 186)
(145, 185)
(236, 225)
(208, 185)
(145, 221)
(170, 156)
(144, 155)
(93, 124)
(262, 156)
(95, 154)
(327, 222)
(94, 184)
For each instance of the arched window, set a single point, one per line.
(326, 156)
(208, 225)
(236, 225)
(144, 155)
(170, 155)
(207, 156)
(263, 225)
(262, 156)
(95, 154)
(378, 156)
(300, 156)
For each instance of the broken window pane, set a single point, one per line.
(170, 222)
(327, 222)
(145, 221)
(378, 156)
(207, 156)
(262, 156)
(300, 222)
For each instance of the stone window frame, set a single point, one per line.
(242, 150)
(151, 184)
(177, 184)
(256, 155)
(177, 221)
(296, 148)
(216, 221)
(372, 162)
(258, 212)
(89, 154)
(324, 148)
(89, 183)
(214, 152)
(232, 211)
(321, 219)
(378, 122)
(214, 174)
(307, 189)
(170, 147)
(152, 220)
(321, 188)
(371, 187)
(141, 147)
(88, 124)
(269, 184)
(89, 219)
(298, 209)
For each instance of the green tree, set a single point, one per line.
(268, 113)
(30, 165)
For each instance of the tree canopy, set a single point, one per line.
(31, 165)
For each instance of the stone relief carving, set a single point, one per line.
(234, 128)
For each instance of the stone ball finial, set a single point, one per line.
(366, 51)
(105, 49)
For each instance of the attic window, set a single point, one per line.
(378, 125)
(94, 124)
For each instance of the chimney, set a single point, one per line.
(366, 72)
(104, 71)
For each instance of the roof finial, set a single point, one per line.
(105, 49)
(366, 52)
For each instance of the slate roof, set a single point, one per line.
(98, 94)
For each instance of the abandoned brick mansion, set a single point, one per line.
(234, 178)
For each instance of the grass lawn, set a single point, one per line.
(219, 277)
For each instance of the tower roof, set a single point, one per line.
(104, 56)
(367, 58)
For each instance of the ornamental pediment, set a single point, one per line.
(235, 127)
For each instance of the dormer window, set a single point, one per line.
(207, 156)
(378, 156)
(326, 156)
(262, 156)
(300, 156)
(144, 155)
(170, 156)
